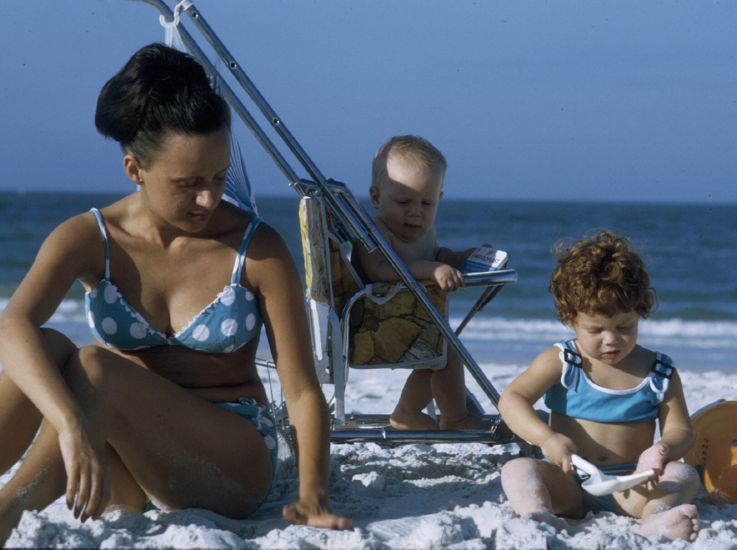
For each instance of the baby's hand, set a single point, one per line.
(558, 448)
(447, 277)
(654, 458)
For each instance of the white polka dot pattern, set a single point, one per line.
(201, 333)
(250, 321)
(111, 294)
(229, 327)
(228, 296)
(109, 326)
(223, 326)
(138, 330)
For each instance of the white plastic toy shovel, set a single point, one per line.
(598, 483)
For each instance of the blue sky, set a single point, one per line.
(577, 100)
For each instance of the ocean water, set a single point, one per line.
(690, 250)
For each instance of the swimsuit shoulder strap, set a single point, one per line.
(240, 260)
(571, 362)
(660, 374)
(103, 232)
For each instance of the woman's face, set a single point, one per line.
(184, 181)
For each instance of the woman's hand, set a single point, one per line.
(88, 484)
(558, 448)
(315, 515)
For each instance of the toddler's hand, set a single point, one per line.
(558, 448)
(654, 458)
(447, 277)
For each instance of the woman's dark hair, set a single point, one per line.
(159, 90)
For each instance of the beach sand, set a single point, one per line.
(411, 496)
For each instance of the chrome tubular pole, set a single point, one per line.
(229, 94)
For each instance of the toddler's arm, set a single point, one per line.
(675, 427)
(516, 408)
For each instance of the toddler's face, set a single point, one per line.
(408, 200)
(606, 339)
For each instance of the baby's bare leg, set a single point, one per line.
(449, 390)
(667, 510)
(539, 490)
(416, 394)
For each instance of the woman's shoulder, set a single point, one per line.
(266, 238)
(77, 232)
(235, 225)
(75, 244)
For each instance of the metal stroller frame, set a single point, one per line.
(356, 224)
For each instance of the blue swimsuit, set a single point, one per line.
(578, 397)
(230, 321)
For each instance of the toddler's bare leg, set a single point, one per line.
(667, 510)
(416, 394)
(449, 389)
(539, 490)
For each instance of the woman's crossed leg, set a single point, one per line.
(163, 441)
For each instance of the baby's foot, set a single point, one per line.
(468, 422)
(681, 522)
(412, 420)
(546, 516)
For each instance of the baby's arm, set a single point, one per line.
(377, 268)
(453, 258)
(516, 408)
(675, 427)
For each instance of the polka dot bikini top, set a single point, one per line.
(229, 322)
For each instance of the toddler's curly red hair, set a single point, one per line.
(601, 275)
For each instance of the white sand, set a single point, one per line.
(412, 496)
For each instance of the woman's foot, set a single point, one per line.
(680, 522)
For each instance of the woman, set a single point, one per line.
(178, 284)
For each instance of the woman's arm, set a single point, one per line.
(65, 255)
(271, 271)
(61, 259)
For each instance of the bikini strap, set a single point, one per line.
(660, 375)
(103, 232)
(571, 363)
(240, 260)
(663, 366)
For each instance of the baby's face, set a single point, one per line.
(408, 200)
